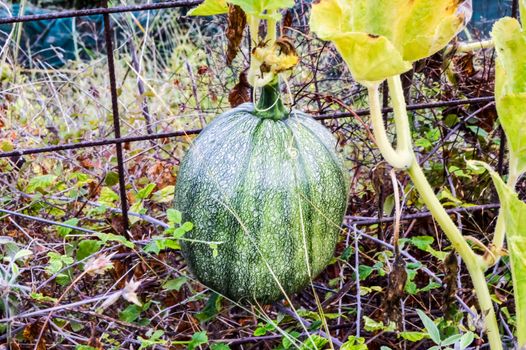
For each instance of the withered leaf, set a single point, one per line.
(241, 93)
(286, 24)
(237, 20)
(395, 291)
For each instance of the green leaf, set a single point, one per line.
(64, 231)
(174, 216)
(220, 346)
(111, 237)
(430, 286)
(198, 338)
(371, 325)
(354, 343)
(466, 340)
(347, 253)
(314, 342)
(260, 331)
(145, 192)
(57, 262)
(510, 86)
(111, 179)
(378, 39)
(451, 340)
(165, 195)
(412, 336)
(108, 196)
(422, 242)
(211, 309)
(154, 338)
(258, 7)
(430, 326)
(41, 183)
(175, 284)
(88, 247)
(364, 271)
(210, 8)
(178, 233)
(22, 254)
(288, 341)
(187, 226)
(43, 298)
(515, 220)
(131, 313)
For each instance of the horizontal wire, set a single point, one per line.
(99, 11)
(86, 144)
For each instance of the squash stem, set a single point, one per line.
(402, 157)
(474, 263)
(270, 104)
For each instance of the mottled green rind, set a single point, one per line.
(270, 191)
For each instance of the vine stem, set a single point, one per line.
(474, 263)
(253, 28)
(464, 47)
(402, 157)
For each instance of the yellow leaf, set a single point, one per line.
(210, 8)
(379, 38)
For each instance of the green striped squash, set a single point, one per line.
(272, 188)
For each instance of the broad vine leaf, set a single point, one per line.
(257, 8)
(514, 211)
(210, 8)
(510, 86)
(378, 38)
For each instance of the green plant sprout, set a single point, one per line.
(380, 40)
(459, 341)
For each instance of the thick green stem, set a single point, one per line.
(253, 28)
(470, 46)
(474, 263)
(270, 105)
(271, 30)
(402, 157)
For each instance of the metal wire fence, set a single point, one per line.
(117, 140)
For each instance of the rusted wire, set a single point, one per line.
(99, 11)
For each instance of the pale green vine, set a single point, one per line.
(474, 262)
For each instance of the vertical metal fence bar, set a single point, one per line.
(108, 32)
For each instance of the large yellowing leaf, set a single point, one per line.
(514, 211)
(510, 86)
(399, 31)
(362, 47)
(210, 8)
